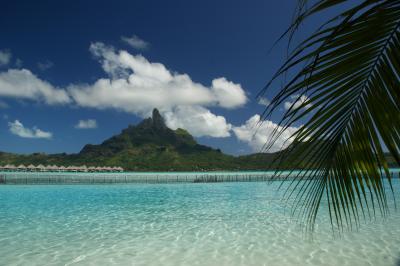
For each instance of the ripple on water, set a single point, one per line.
(185, 224)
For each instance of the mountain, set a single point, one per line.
(149, 146)
(150, 135)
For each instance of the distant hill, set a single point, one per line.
(149, 146)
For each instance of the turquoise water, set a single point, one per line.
(177, 224)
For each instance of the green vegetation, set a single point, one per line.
(149, 146)
(348, 72)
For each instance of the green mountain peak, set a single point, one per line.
(152, 133)
(149, 146)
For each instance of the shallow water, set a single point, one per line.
(177, 224)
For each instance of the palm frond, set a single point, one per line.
(350, 71)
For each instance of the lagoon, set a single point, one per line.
(235, 223)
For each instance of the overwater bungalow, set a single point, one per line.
(55, 168)
(71, 168)
(117, 169)
(6, 167)
(21, 167)
(40, 168)
(31, 167)
(11, 167)
(83, 168)
(51, 168)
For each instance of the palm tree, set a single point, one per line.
(346, 81)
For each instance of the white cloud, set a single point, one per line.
(22, 84)
(227, 93)
(297, 101)
(137, 86)
(263, 101)
(17, 128)
(43, 66)
(86, 124)
(5, 57)
(258, 133)
(198, 120)
(136, 42)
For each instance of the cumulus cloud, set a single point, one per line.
(297, 101)
(257, 134)
(22, 84)
(86, 124)
(135, 42)
(227, 93)
(136, 85)
(17, 128)
(263, 101)
(198, 120)
(5, 57)
(43, 66)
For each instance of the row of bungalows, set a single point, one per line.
(55, 168)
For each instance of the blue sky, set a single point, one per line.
(78, 72)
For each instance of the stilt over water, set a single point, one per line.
(134, 177)
(99, 178)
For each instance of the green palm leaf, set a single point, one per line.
(350, 71)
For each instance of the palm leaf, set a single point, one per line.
(350, 71)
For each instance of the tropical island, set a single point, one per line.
(148, 146)
(320, 112)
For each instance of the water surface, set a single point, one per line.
(177, 224)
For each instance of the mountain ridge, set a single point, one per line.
(149, 146)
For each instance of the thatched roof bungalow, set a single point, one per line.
(71, 168)
(21, 167)
(11, 167)
(40, 167)
(83, 168)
